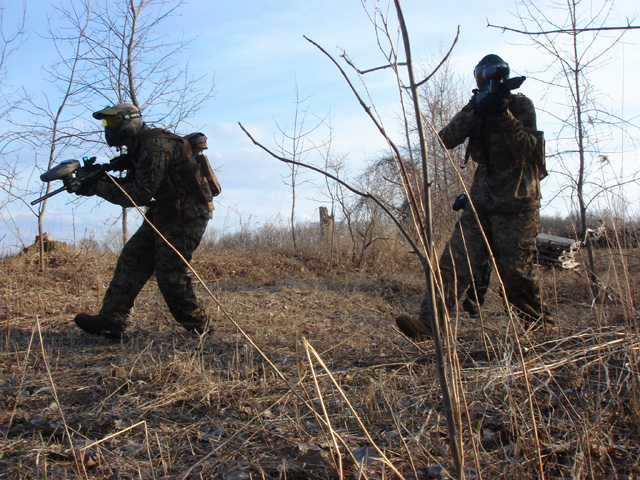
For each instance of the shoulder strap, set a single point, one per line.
(152, 133)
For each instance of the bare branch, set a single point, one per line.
(370, 70)
(444, 60)
(368, 195)
(412, 198)
(568, 31)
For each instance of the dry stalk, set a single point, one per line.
(24, 374)
(592, 353)
(399, 429)
(337, 457)
(116, 434)
(55, 397)
(384, 458)
(162, 460)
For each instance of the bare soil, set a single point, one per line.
(307, 376)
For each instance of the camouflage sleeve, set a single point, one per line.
(460, 127)
(512, 137)
(151, 169)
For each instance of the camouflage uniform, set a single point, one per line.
(506, 195)
(158, 182)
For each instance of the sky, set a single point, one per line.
(262, 64)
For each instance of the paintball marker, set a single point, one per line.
(76, 177)
(496, 77)
(494, 88)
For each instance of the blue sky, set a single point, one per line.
(259, 56)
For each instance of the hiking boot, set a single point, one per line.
(203, 328)
(413, 329)
(470, 306)
(100, 325)
(200, 330)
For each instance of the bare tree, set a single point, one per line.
(420, 211)
(50, 123)
(442, 97)
(295, 144)
(10, 41)
(135, 59)
(578, 45)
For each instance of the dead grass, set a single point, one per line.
(162, 404)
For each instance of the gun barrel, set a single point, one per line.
(514, 83)
(48, 195)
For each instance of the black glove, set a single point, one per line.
(486, 103)
(85, 191)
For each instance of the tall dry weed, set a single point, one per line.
(363, 404)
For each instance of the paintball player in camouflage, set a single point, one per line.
(157, 180)
(503, 141)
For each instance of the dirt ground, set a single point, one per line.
(307, 376)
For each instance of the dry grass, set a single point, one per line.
(162, 404)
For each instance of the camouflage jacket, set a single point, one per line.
(157, 180)
(507, 178)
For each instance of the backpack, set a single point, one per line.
(207, 184)
(194, 165)
(522, 108)
(538, 155)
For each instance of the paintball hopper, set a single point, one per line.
(60, 171)
(71, 172)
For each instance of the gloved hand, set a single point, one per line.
(487, 103)
(85, 191)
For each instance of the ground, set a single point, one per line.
(306, 375)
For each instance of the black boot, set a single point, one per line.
(198, 323)
(470, 306)
(100, 325)
(414, 329)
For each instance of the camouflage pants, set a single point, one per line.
(512, 240)
(145, 254)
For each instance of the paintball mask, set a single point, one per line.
(121, 123)
(490, 68)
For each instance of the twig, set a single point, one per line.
(432, 274)
(446, 57)
(370, 70)
(384, 458)
(571, 31)
(57, 400)
(411, 195)
(24, 374)
(341, 182)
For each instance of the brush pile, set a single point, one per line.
(556, 251)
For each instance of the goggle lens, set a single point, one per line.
(112, 122)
